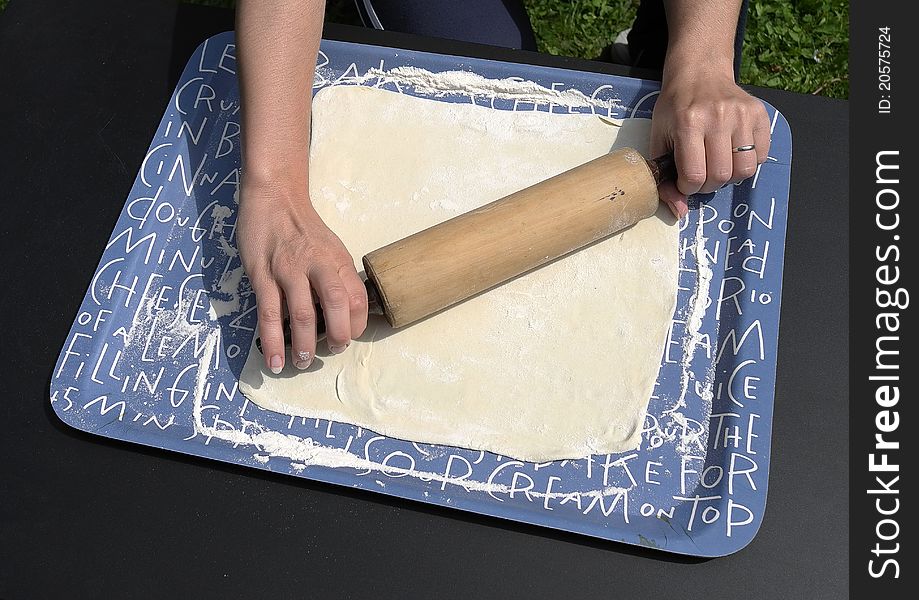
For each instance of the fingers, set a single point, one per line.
(294, 260)
(752, 130)
(302, 320)
(703, 126)
(762, 133)
(343, 298)
(744, 161)
(666, 191)
(689, 156)
(270, 323)
(336, 305)
(675, 201)
(357, 299)
(718, 162)
(705, 164)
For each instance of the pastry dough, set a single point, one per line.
(559, 363)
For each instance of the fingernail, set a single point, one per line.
(304, 359)
(338, 349)
(276, 364)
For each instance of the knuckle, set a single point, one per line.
(685, 136)
(270, 315)
(335, 297)
(303, 316)
(745, 171)
(757, 108)
(694, 178)
(687, 127)
(692, 118)
(742, 108)
(721, 176)
(358, 302)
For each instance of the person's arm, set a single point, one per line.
(702, 115)
(288, 252)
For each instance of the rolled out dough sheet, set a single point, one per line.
(559, 363)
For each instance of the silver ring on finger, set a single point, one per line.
(746, 148)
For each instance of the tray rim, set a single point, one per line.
(333, 474)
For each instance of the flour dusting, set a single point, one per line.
(475, 85)
(304, 452)
(225, 298)
(695, 317)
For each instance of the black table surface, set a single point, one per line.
(84, 85)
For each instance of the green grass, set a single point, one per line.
(795, 45)
(580, 28)
(798, 45)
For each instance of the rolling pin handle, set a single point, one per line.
(374, 302)
(663, 168)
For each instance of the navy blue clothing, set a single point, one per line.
(506, 23)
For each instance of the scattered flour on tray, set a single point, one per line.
(692, 439)
(304, 452)
(472, 84)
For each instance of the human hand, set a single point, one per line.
(290, 255)
(703, 118)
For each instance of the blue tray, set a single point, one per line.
(147, 361)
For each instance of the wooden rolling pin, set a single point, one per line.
(426, 272)
(433, 269)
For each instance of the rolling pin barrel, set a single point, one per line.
(473, 252)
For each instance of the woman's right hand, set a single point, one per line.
(292, 258)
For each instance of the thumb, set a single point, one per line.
(671, 196)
